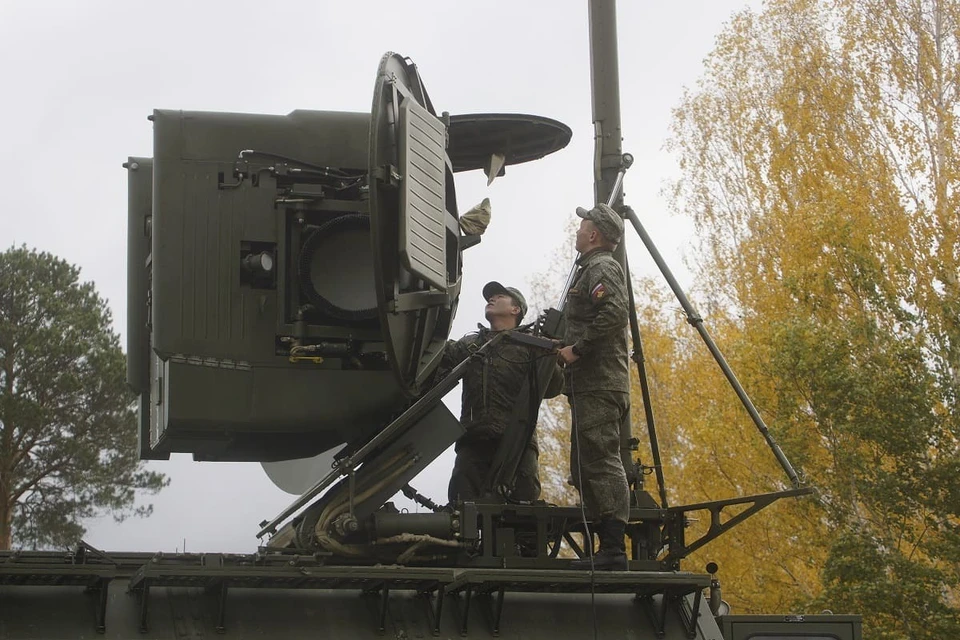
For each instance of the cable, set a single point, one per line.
(345, 182)
(533, 359)
(278, 156)
(420, 499)
(583, 512)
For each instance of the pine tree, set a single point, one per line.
(67, 425)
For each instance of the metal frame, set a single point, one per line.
(86, 567)
(672, 587)
(218, 573)
(353, 459)
(676, 515)
(547, 525)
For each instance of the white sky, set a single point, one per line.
(80, 78)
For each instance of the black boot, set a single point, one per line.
(612, 555)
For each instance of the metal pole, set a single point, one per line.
(605, 93)
(609, 162)
(608, 139)
(645, 393)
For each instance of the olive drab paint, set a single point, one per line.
(292, 278)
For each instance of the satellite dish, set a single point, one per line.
(514, 137)
(296, 476)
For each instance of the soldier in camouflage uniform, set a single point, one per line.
(598, 381)
(489, 390)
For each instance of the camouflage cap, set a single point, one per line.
(493, 288)
(608, 222)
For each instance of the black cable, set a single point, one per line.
(344, 187)
(532, 360)
(303, 163)
(531, 350)
(329, 181)
(347, 181)
(420, 499)
(588, 537)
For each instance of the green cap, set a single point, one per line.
(493, 288)
(607, 221)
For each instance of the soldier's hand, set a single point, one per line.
(567, 356)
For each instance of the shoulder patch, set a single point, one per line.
(598, 291)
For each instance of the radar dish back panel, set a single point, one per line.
(422, 201)
(414, 316)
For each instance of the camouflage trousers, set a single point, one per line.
(473, 464)
(595, 463)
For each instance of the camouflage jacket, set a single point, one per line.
(491, 382)
(596, 322)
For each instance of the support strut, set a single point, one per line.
(694, 319)
(391, 432)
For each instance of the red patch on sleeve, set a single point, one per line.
(598, 292)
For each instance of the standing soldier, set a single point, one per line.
(490, 388)
(598, 382)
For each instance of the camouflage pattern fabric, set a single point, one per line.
(598, 383)
(491, 382)
(595, 452)
(490, 385)
(596, 320)
(607, 221)
(473, 464)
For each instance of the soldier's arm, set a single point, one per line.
(608, 294)
(454, 352)
(555, 386)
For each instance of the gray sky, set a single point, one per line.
(80, 78)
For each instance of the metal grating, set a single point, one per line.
(422, 194)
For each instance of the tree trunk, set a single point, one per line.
(6, 522)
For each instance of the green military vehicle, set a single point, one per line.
(292, 282)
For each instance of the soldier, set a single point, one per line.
(598, 381)
(489, 391)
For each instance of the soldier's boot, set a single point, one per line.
(612, 555)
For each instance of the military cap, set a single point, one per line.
(493, 288)
(608, 222)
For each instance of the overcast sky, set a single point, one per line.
(80, 79)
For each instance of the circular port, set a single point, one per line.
(336, 269)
